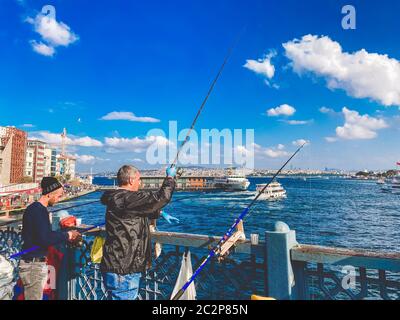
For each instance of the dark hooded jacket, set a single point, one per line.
(127, 248)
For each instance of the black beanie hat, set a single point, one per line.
(50, 184)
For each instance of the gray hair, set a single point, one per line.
(124, 173)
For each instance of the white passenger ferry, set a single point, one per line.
(273, 192)
(232, 182)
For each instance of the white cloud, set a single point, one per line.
(88, 159)
(274, 153)
(71, 140)
(243, 151)
(331, 139)
(136, 144)
(280, 146)
(298, 122)
(360, 74)
(277, 152)
(301, 142)
(84, 142)
(43, 49)
(263, 66)
(326, 110)
(358, 127)
(284, 110)
(28, 125)
(116, 115)
(85, 159)
(52, 32)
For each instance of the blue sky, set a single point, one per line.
(156, 60)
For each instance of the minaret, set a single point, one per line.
(63, 138)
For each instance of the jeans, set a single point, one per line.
(34, 278)
(122, 287)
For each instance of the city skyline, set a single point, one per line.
(294, 76)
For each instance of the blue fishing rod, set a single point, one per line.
(215, 251)
(16, 255)
(82, 231)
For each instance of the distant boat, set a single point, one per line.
(232, 183)
(393, 186)
(380, 181)
(274, 191)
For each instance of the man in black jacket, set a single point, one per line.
(37, 236)
(127, 248)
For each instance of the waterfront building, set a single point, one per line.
(12, 155)
(35, 160)
(182, 183)
(16, 196)
(65, 166)
(50, 161)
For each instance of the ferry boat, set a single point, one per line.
(392, 186)
(232, 182)
(273, 192)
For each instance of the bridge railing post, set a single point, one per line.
(280, 277)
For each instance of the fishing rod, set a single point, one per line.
(228, 234)
(82, 231)
(61, 209)
(75, 206)
(211, 88)
(37, 247)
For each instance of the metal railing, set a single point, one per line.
(277, 267)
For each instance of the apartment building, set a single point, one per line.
(35, 160)
(13, 144)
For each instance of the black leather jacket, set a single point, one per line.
(127, 248)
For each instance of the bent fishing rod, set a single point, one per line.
(228, 234)
(210, 90)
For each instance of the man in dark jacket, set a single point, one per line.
(38, 236)
(127, 248)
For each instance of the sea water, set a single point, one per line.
(336, 212)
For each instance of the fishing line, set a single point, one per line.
(211, 88)
(228, 234)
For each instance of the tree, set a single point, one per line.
(362, 173)
(390, 173)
